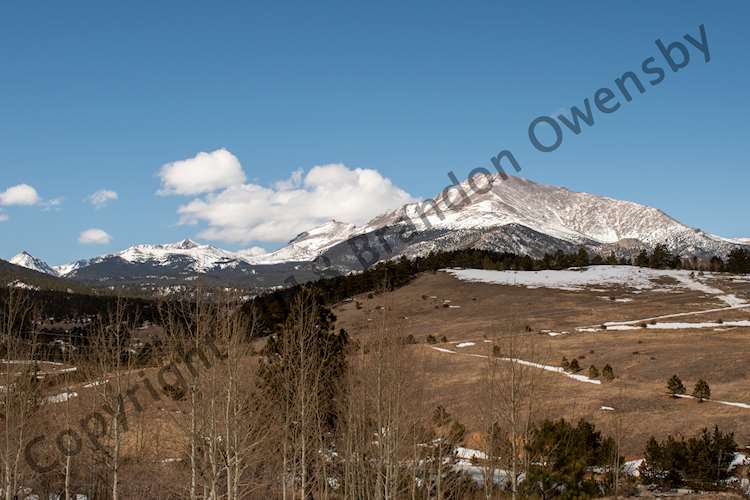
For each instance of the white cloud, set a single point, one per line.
(253, 251)
(102, 197)
(53, 204)
(3, 217)
(94, 237)
(250, 212)
(204, 173)
(22, 194)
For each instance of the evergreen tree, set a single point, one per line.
(675, 386)
(701, 390)
(565, 364)
(699, 460)
(612, 259)
(716, 264)
(582, 258)
(309, 331)
(738, 261)
(560, 456)
(574, 366)
(593, 372)
(642, 259)
(661, 257)
(608, 374)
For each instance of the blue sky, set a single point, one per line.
(99, 95)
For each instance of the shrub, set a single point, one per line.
(608, 374)
(574, 366)
(496, 350)
(443, 339)
(701, 390)
(675, 386)
(431, 339)
(175, 392)
(593, 372)
(440, 416)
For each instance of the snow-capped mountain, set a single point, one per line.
(204, 257)
(512, 215)
(516, 214)
(307, 246)
(25, 259)
(555, 211)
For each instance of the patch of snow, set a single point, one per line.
(21, 285)
(633, 467)
(441, 349)
(725, 403)
(739, 460)
(576, 279)
(549, 368)
(465, 344)
(470, 454)
(607, 408)
(617, 326)
(61, 398)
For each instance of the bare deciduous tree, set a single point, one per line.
(19, 394)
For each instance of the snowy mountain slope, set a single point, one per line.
(520, 216)
(204, 257)
(66, 269)
(25, 259)
(555, 211)
(306, 246)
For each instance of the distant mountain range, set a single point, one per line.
(513, 215)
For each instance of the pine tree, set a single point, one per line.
(608, 374)
(675, 386)
(565, 363)
(739, 261)
(701, 391)
(612, 259)
(593, 372)
(661, 258)
(642, 259)
(574, 366)
(582, 258)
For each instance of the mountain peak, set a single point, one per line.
(186, 244)
(25, 259)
